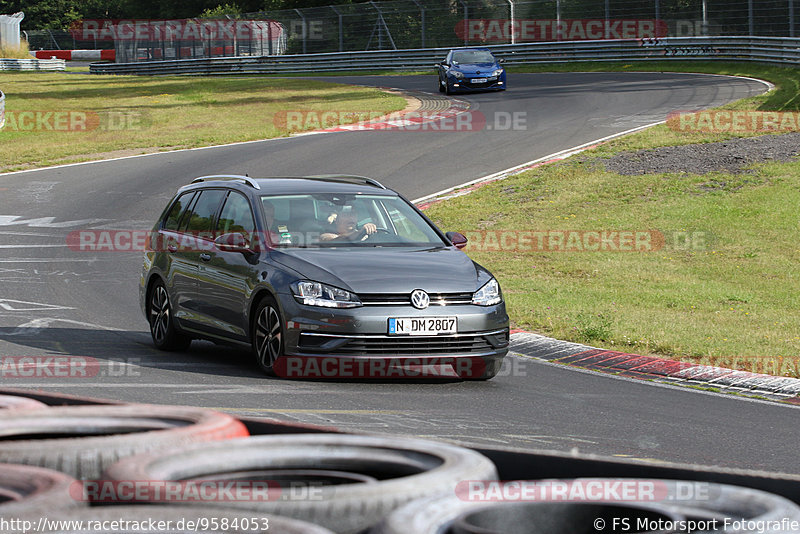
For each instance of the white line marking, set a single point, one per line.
(33, 246)
(45, 222)
(48, 260)
(31, 306)
(142, 155)
(36, 325)
(518, 168)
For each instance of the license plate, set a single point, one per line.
(478, 80)
(422, 326)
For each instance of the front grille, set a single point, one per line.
(416, 345)
(404, 299)
(483, 85)
(379, 345)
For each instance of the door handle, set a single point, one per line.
(205, 257)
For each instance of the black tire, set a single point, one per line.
(404, 469)
(82, 441)
(162, 323)
(447, 89)
(268, 335)
(27, 490)
(713, 501)
(441, 85)
(12, 402)
(178, 516)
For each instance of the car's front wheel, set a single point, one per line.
(162, 326)
(442, 83)
(267, 335)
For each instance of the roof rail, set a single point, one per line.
(349, 178)
(246, 179)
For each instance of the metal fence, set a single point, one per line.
(412, 24)
(783, 51)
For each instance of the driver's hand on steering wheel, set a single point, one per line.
(370, 228)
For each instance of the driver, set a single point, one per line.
(345, 226)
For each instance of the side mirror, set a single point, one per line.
(501, 60)
(233, 242)
(458, 239)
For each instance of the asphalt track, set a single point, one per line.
(54, 301)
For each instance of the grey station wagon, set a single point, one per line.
(320, 277)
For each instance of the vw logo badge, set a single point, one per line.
(420, 299)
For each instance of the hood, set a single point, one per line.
(474, 68)
(387, 269)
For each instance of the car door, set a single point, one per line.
(228, 278)
(194, 241)
(178, 274)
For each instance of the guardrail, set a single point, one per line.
(764, 49)
(2, 110)
(32, 64)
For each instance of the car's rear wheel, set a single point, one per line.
(267, 337)
(162, 326)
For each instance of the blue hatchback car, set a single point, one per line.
(471, 69)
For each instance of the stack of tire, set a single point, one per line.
(318, 483)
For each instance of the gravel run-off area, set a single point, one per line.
(730, 156)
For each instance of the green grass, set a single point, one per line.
(726, 297)
(138, 114)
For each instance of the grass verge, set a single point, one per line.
(721, 290)
(92, 117)
(16, 52)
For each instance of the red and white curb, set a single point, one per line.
(786, 389)
(76, 55)
(412, 120)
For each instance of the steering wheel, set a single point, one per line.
(363, 235)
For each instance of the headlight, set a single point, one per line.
(488, 295)
(317, 294)
(498, 72)
(459, 75)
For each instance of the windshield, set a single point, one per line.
(473, 56)
(335, 220)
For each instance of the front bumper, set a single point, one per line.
(361, 335)
(466, 84)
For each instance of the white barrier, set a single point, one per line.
(32, 64)
(9, 29)
(2, 109)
